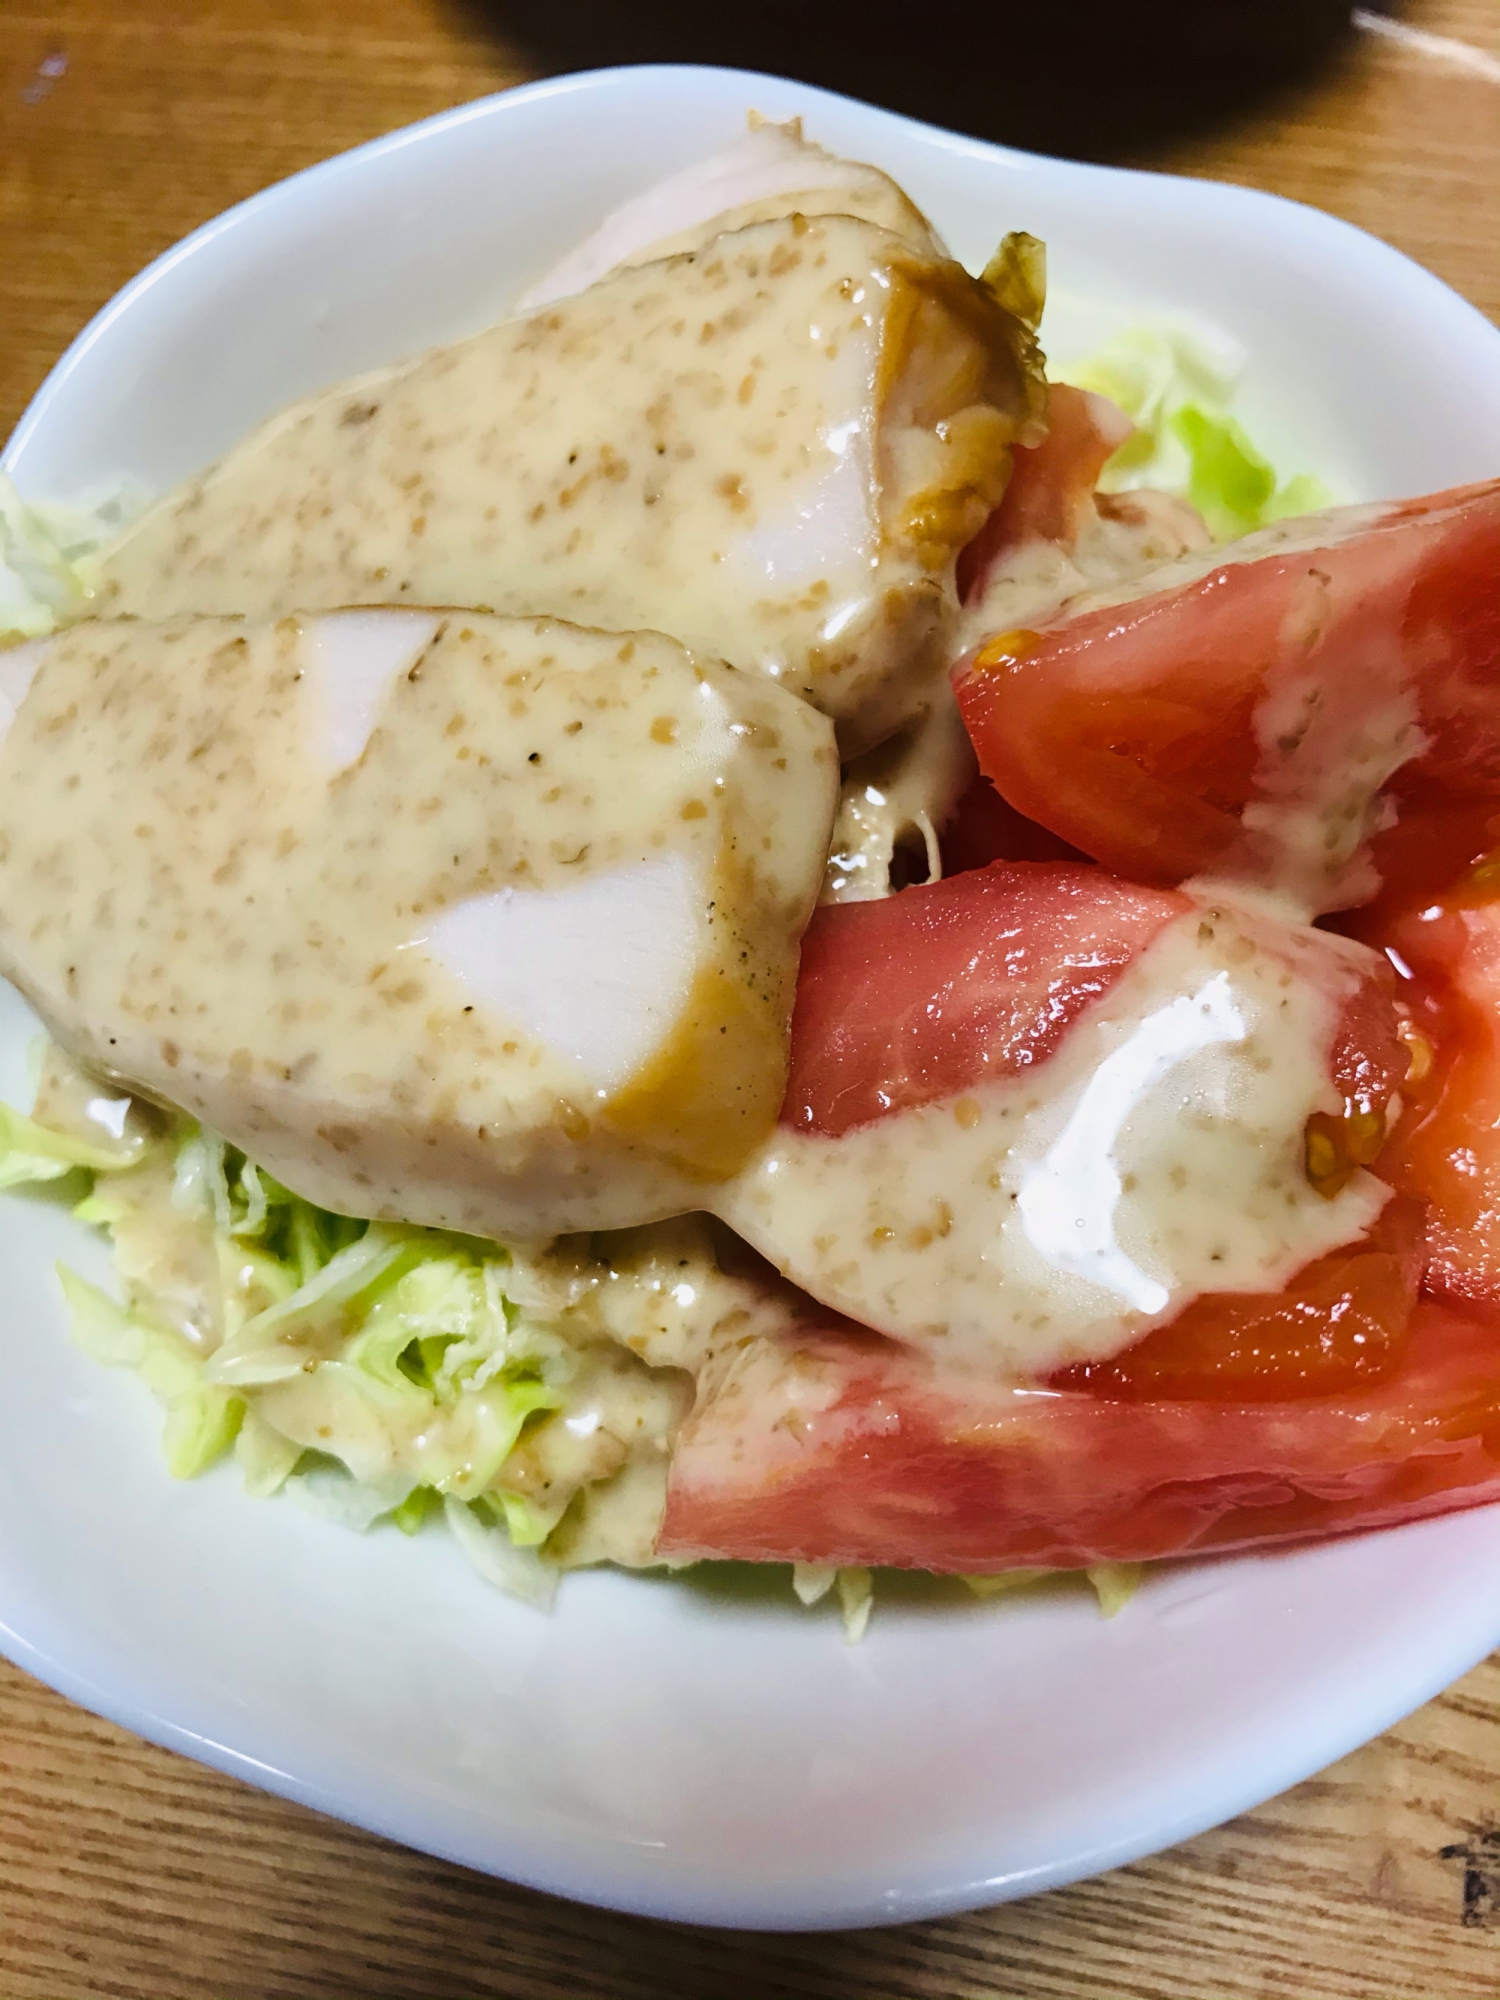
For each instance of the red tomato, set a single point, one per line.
(1342, 1322)
(1141, 730)
(917, 997)
(1447, 1148)
(982, 828)
(1051, 484)
(925, 994)
(830, 1445)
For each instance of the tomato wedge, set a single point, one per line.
(1263, 712)
(977, 1123)
(1446, 1151)
(917, 997)
(983, 828)
(1051, 489)
(914, 998)
(829, 1445)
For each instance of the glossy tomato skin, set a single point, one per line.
(1052, 484)
(832, 1446)
(1141, 731)
(1446, 1150)
(982, 975)
(915, 998)
(983, 828)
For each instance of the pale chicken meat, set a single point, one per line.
(771, 172)
(441, 917)
(773, 450)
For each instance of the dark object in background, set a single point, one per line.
(1088, 79)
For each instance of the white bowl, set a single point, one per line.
(653, 1746)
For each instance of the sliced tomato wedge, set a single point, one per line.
(940, 1000)
(983, 828)
(1259, 712)
(911, 999)
(1446, 1150)
(920, 996)
(832, 1446)
(1051, 489)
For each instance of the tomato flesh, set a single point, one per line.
(1138, 735)
(905, 1001)
(983, 828)
(1051, 489)
(1446, 1151)
(916, 998)
(830, 1445)
(1342, 1322)
(1141, 731)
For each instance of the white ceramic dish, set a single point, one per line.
(650, 1746)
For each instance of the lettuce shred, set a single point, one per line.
(45, 552)
(1114, 1584)
(415, 1372)
(1176, 387)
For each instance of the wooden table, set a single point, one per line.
(126, 1871)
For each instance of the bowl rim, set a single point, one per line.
(1300, 220)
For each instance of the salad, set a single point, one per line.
(722, 922)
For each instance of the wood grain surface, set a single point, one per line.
(123, 123)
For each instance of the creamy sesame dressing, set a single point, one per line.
(773, 450)
(893, 802)
(443, 918)
(1056, 1216)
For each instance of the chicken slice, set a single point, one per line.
(453, 919)
(771, 172)
(773, 451)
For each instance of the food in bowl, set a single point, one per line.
(1090, 1179)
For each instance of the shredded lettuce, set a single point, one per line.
(412, 1515)
(1114, 1584)
(371, 1373)
(856, 1588)
(522, 1572)
(45, 553)
(201, 1421)
(527, 1522)
(811, 1582)
(1176, 387)
(31, 1152)
(415, 1371)
(1003, 1582)
(266, 1459)
(333, 1494)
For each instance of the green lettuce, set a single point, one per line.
(370, 1372)
(1176, 389)
(31, 1152)
(201, 1420)
(418, 1373)
(45, 553)
(1114, 1584)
